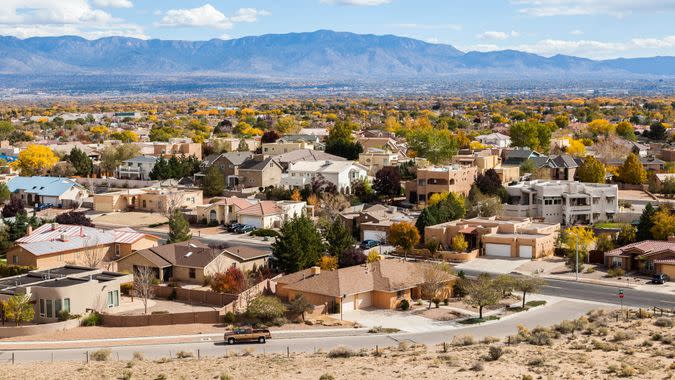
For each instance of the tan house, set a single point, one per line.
(54, 245)
(382, 284)
(440, 179)
(271, 214)
(375, 159)
(174, 147)
(500, 237)
(151, 199)
(222, 210)
(276, 148)
(646, 257)
(486, 160)
(372, 223)
(192, 261)
(228, 164)
(72, 289)
(260, 172)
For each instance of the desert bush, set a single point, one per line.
(623, 370)
(494, 353)
(101, 355)
(340, 352)
(621, 336)
(403, 345)
(64, 315)
(526, 377)
(383, 330)
(224, 376)
(184, 354)
(477, 366)
(161, 376)
(664, 322)
(615, 272)
(536, 361)
(92, 319)
(489, 340)
(463, 340)
(229, 317)
(404, 305)
(265, 232)
(326, 376)
(139, 356)
(126, 375)
(604, 346)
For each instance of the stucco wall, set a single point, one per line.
(9, 330)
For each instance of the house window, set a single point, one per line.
(15, 259)
(66, 305)
(57, 307)
(117, 249)
(113, 298)
(399, 294)
(49, 309)
(617, 262)
(649, 265)
(42, 307)
(192, 273)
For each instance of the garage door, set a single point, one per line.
(363, 300)
(348, 303)
(525, 251)
(669, 270)
(501, 250)
(251, 220)
(374, 235)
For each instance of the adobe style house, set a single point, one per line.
(222, 210)
(646, 257)
(382, 284)
(174, 147)
(485, 160)
(276, 148)
(271, 214)
(54, 245)
(61, 192)
(375, 159)
(74, 289)
(191, 261)
(440, 179)
(151, 199)
(259, 172)
(501, 237)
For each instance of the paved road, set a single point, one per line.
(566, 309)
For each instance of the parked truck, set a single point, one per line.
(247, 335)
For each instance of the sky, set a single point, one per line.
(587, 28)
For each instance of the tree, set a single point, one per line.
(112, 156)
(604, 243)
(489, 183)
(338, 238)
(300, 245)
(530, 134)
(232, 281)
(373, 256)
(14, 207)
(62, 169)
(81, 162)
(269, 137)
(74, 218)
(299, 306)
(578, 237)
(340, 141)
(35, 160)
(591, 171)
(644, 228)
(179, 228)
(125, 136)
(482, 292)
(213, 183)
(632, 171)
(387, 182)
(479, 205)
(452, 206)
(328, 262)
(5, 194)
(458, 243)
(18, 308)
(243, 146)
(576, 148)
(18, 228)
(562, 121)
(625, 129)
(266, 308)
(143, 286)
(435, 277)
(527, 284)
(404, 235)
(161, 170)
(627, 235)
(437, 146)
(425, 219)
(352, 256)
(663, 224)
(657, 131)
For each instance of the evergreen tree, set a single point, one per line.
(646, 223)
(489, 183)
(160, 171)
(338, 238)
(425, 219)
(179, 229)
(81, 162)
(174, 169)
(300, 245)
(213, 183)
(5, 194)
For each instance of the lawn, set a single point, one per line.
(473, 321)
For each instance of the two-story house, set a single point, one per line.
(339, 173)
(440, 179)
(137, 168)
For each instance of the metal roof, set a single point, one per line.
(45, 186)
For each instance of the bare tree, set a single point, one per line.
(333, 204)
(435, 277)
(144, 278)
(174, 201)
(92, 256)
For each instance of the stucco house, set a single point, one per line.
(271, 214)
(61, 192)
(440, 179)
(339, 173)
(382, 284)
(151, 199)
(54, 245)
(69, 288)
(227, 163)
(647, 257)
(260, 172)
(222, 210)
(137, 168)
(372, 223)
(495, 139)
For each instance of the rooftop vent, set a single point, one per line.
(188, 254)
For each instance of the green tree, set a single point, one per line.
(604, 243)
(632, 171)
(179, 228)
(627, 235)
(81, 162)
(562, 121)
(6, 129)
(451, 208)
(591, 171)
(161, 170)
(18, 308)
(266, 308)
(300, 245)
(526, 284)
(338, 238)
(425, 219)
(300, 306)
(531, 134)
(213, 183)
(644, 228)
(4, 193)
(340, 141)
(625, 129)
(482, 292)
(437, 146)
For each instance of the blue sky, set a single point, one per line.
(588, 28)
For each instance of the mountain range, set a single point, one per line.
(322, 54)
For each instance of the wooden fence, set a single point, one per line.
(211, 316)
(191, 296)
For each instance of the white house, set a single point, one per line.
(270, 214)
(62, 192)
(137, 168)
(339, 173)
(496, 139)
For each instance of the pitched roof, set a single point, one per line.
(645, 247)
(242, 203)
(262, 208)
(237, 158)
(148, 159)
(324, 166)
(493, 136)
(245, 253)
(191, 253)
(383, 275)
(46, 186)
(252, 164)
(306, 155)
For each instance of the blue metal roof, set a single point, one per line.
(46, 186)
(7, 158)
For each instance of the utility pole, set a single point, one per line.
(576, 246)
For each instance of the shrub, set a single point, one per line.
(265, 232)
(463, 340)
(383, 330)
(229, 317)
(403, 345)
(404, 305)
(340, 352)
(615, 272)
(436, 302)
(535, 303)
(621, 336)
(664, 322)
(326, 376)
(537, 361)
(494, 353)
(64, 315)
(126, 375)
(126, 288)
(489, 339)
(184, 354)
(624, 370)
(477, 366)
(8, 271)
(92, 319)
(173, 295)
(224, 376)
(139, 356)
(266, 308)
(101, 355)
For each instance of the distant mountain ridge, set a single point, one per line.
(322, 54)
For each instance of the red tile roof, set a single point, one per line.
(644, 247)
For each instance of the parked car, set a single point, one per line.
(244, 228)
(660, 278)
(247, 335)
(368, 244)
(43, 206)
(233, 226)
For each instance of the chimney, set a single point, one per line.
(316, 270)
(29, 230)
(54, 226)
(81, 231)
(64, 237)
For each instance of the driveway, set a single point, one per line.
(402, 320)
(497, 265)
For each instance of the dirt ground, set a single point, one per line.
(593, 347)
(130, 219)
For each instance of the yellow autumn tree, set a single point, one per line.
(576, 148)
(328, 262)
(35, 160)
(295, 195)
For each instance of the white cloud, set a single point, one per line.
(617, 8)
(368, 3)
(248, 15)
(114, 3)
(204, 16)
(601, 49)
(495, 35)
(576, 32)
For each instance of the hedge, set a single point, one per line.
(13, 270)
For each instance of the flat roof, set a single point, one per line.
(63, 282)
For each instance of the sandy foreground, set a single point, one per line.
(596, 346)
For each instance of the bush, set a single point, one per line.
(229, 317)
(92, 319)
(404, 305)
(64, 315)
(126, 288)
(139, 356)
(463, 340)
(473, 321)
(494, 353)
(184, 354)
(477, 366)
(489, 339)
(340, 352)
(383, 330)
(173, 295)
(265, 232)
(535, 303)
(624, 370)
(436, 302)
(11, 270)
(326, 376)
(101, 355)
(266, 308)
(621, 336)
(664, 322)
(615, 272)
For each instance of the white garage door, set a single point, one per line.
(501, 250)
(251, 220)
(374, 235)
(348, 303)
(363, 300)
(525, 251)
